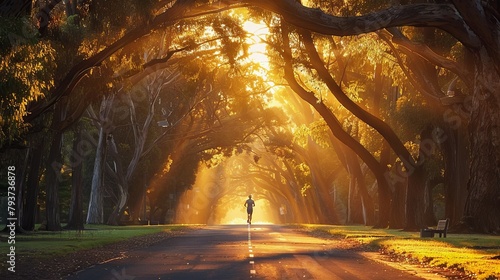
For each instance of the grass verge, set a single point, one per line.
(43, 244)
(476, 255)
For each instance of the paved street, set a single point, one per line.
(242, 252)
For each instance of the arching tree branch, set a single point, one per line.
(441, 16)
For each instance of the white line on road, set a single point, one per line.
(250, 250)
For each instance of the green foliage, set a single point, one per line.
(71, 31)
(413, 114)
(232, 37)
(317, 131)
(302, 174)
(15, 32)
(301, 135)
(26, 75)
(105, 15)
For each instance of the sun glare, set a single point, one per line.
(256, 46)
(237, 215)
(218, 196)
(257, 53)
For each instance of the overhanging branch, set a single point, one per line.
(425, 52)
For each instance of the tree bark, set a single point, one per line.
(482, 211)
(398, 205)
(454, 145)
(429, 215)
(121, 181)
(33, 184)
(367, 208)
(417, 181)
(20, 190)
(53, 177)
(415, 194)
(95, 208)
(397, 191)
(76, 207)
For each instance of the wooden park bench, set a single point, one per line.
(442, 229)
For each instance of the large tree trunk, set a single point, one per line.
(398, 206)
(417, 181)
(76, 207)
(95, 213)
(53, 171)
(95, 209)
(396, 201)
(53, 177)
(115, 216)
(20, 186)
(482, 209)
(32, 184)
(122, 184)
(354, 206)
(456, 165)
(366, 202)
(430, 216)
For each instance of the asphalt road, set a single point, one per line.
(242, 252)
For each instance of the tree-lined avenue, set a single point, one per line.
(227, 252)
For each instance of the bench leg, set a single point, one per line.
(443, 233)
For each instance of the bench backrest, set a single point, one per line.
(442, 225)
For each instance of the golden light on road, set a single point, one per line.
(218, 198)
(236, 214)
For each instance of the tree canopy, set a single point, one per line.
(362, 109)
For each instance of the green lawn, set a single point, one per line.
(44, 244)
(476, 254)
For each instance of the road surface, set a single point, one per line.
(242, 252)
